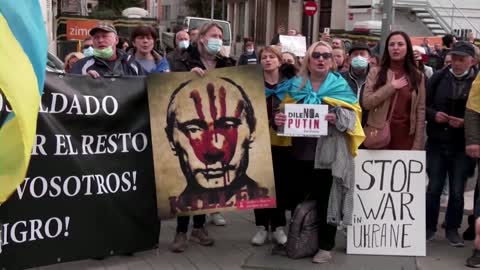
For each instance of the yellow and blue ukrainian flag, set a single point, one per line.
(474, 96)
(23, 57)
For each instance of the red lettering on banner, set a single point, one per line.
(201, 201)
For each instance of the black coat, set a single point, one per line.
(124, 65)
(447, 94)
(190, 59)
(248, 59)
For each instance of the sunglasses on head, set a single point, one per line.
(316, 55)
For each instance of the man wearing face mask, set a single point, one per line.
(447, 94)
(356, 76)
(249, 57)
(182, 43)
(106, 59)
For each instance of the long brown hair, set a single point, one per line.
(411, 70)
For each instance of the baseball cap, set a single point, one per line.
(359, 46)
(463, 48)
(103, 26)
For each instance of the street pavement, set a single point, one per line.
(232, 251)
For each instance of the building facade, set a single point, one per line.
(260, 19)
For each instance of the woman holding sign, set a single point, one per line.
(205, 54)
(317, 158)
(395, 98)
(277, 83)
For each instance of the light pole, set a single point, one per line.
(212, 9)
(387, 19)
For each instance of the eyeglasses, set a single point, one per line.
(316, 55)
(87, 46)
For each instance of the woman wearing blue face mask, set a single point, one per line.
(205, 53)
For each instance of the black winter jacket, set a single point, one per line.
(124, 65)
(190, 59)
(447, 94)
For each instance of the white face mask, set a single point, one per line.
(184, 44)
(459, 75)
(250, 51)
(359, 62)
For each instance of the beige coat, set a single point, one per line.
(377, 102)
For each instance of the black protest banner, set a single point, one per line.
(90, 189)
(389, 204)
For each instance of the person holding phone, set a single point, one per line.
(420, 57)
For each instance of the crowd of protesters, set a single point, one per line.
(424, 105)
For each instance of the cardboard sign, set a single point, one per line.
(305, 120)
(389, 204)
(79, 29)
(294, 44)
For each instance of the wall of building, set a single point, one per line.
(339, 12)
(172, 11)
(295, 15)
(405, 23)
(154, 8)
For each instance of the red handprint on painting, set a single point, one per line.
(211, 126)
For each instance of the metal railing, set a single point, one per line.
(453, 22)
(441, 19)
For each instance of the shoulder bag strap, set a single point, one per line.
(392, 106)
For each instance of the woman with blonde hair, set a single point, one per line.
(205, 54)
(318, 160)
(71, 59)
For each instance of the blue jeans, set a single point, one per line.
(443, 160)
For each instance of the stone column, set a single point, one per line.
(295, 15)
(339, 14)
(246, 27)
(316, 24)
(270, 23)
(236, 20)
